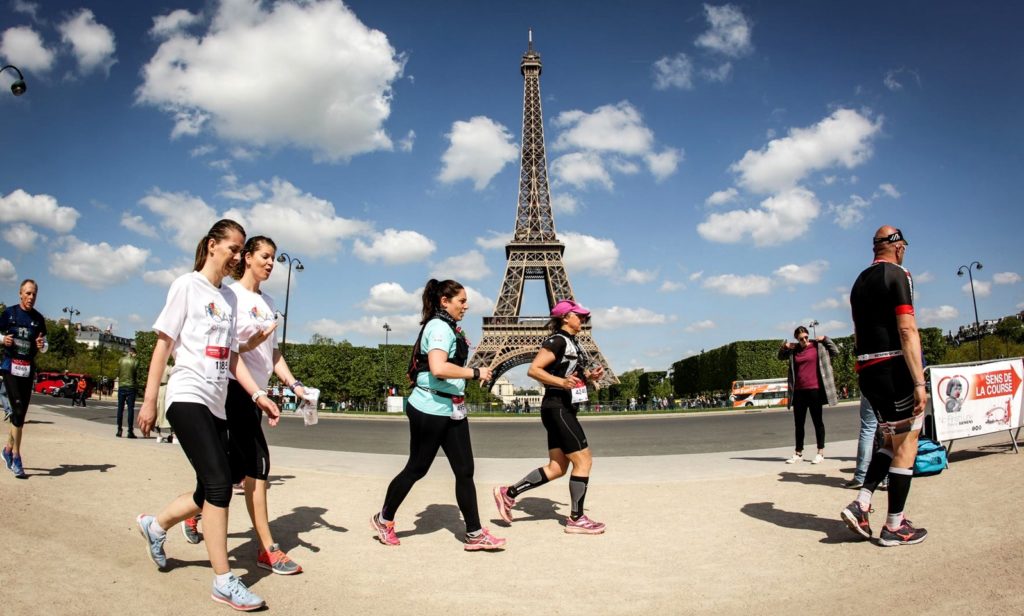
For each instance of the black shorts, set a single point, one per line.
(250, 456)
(204, 439)
(19, 392)
(889, 387)
(564, 429)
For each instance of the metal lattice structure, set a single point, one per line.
(510, 340)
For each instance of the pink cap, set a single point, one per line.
(565, 306)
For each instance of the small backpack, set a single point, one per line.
(931, 457)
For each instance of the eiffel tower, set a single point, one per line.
(510, 340)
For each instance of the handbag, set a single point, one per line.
(931, 458)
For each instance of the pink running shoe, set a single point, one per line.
(385, 531)
(504, 503)
(583, 526)
(484, 541)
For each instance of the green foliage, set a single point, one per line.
(991, 348)
(1010, 329)
(628, 386)
(145, 342)
(62, 348)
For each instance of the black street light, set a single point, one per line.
(18, 87)
(977, 326)
(72, 313)
(812, 325)
(281, 258)
(387, 330)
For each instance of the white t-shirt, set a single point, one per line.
(200, 318)
(256, 313)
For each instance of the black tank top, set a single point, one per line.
(569, 359)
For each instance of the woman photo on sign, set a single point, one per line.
(436, 410)
(563, 367)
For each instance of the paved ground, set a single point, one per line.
(715, 533)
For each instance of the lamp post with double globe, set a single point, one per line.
(812, 325)
(975, 265)
(281, 258)
(387, 389)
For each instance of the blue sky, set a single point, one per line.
(717, 169)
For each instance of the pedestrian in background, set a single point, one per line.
(127, 377)
(809, 384)
(24, 336)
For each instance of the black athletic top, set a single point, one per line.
(881, 292)
(568, 356)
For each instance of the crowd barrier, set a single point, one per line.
(976, 398)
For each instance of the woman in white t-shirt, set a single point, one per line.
(197, 326)
(257, 344)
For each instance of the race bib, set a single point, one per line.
(216, 365)
(459, 409)
(20, 367)
(579, 394)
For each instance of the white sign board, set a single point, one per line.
(396, 404)
(975, 400)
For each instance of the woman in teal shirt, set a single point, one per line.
(437, 413)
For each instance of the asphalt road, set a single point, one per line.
(524, 437)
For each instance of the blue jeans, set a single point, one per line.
(866, 444)
(126, 395)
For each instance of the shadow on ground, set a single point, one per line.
(834, 530)
(64, 469)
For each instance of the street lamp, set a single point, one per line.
(72, 313)
(812, 325)
(18, 87)
(387, 330)
(281, 258)
(977, 326)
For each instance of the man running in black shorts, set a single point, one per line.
(891, 375)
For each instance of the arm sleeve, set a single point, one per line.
(172, 317)
(898, 283)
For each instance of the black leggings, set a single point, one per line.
(19, 392)
(804, 399)
(249, 454)
(204, 439)
(427, 434)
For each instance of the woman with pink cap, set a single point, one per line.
(563, 367)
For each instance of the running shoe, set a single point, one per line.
(17, 468)
(277, 561)
(237, 595)
(857, 519)
(8, 457)
(797, 457)
(154, 544)
(190, 528)
(854, 484)
(484, 541)
(583, 526)
(385, 530)
(504, 503)
(906, 534)
(818, 459)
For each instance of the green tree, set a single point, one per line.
(1010, 330)
(628, 386)
(63, 347)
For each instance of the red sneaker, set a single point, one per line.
(484, 541)
(385, 530)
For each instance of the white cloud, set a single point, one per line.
(830, 303)
(102, 322)
(96, 265)
(847, 215)
(478, 150)
(673, 72)
(390, 297)
(833, 328)
(721, 197)
(934, 316)
(405, 144)
(580, 169)
(701, 325)
(496, 239)
(8, 273)
(893, 79)
(171, 24)
(781, 218)
(588, 253)
(185, 231)
(468, 266)
(565, 203)
(923, 277)
(729, 33)
(246, 193)
(981, 288)
(164, 277)
(889, 190)
(202, 150)
(23, 47)
(39, 210)
(136, 319)
(618, 316)
(335, 79)
(696, 275)
(371, 326)
(669, 286)
(27, 8)
(478, 303)
(843, 138)
(664, 164)
(1006, 278)
(91, 43)
(137, 224)
(721, 73)
(610, 128)
(742, 286)
(808, 273)
(639, 276)
(394, 246)
(21, 236)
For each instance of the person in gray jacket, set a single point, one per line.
(810, 385)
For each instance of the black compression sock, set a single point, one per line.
(533, 479)
(577, 494)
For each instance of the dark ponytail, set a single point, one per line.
(432, 294)
(218, 232)
(251, 245)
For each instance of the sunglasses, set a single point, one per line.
(892, 238)
(803, 339)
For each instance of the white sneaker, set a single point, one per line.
(818, 459)
(797, 457)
